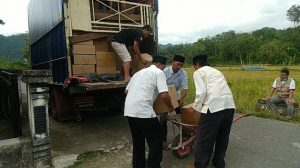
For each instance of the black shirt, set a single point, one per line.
(148, 46)
(128, 36)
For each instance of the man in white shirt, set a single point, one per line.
(142, 91)
(285, 87)
(214, 101)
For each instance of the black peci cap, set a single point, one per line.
(160, 59)
(179, 58)
(200, 59)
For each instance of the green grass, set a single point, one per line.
(82, 158)
(248, 86)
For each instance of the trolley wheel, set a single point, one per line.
(184, 151)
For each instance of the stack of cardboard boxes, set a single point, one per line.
(84, 58)
(91, 55)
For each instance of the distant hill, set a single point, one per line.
(163, 46)
(12, 46)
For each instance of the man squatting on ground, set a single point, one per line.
(175, 76)
(214, 101)
(127, 38)
(285, 87)
(142, 91)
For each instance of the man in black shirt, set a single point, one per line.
(126, 38)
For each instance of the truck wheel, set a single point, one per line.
(184, 151)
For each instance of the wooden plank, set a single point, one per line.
(134, 17)
(86, 37)
(89, 42)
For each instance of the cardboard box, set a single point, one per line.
(160, 107)
(106, 62)
(84, 59)
(83, 69)
(189, 115)
(84, 49)
(101, 45)
(138, 65)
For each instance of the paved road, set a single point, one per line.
(255, 143)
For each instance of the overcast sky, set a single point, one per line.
(184, 21)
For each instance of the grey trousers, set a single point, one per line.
(277, 100)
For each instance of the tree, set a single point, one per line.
(26, 49)
(294, 14)
(2, 22)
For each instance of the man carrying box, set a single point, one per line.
(142, 91)
(127, 38)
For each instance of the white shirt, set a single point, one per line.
(143, 89)
(212, 91)
(292, 84)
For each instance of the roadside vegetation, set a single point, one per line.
(5, 63)
(248, 86)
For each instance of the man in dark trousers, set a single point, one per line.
(214, 101)
(178, 77)
(142, 91)
(130, 38)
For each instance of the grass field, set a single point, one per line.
(248, 86)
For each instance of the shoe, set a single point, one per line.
(289, 118)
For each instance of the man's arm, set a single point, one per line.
(200, 91)
(167, 100)
(185, 87)
(136, 50)
(183, 95)
(271, 93)
(291, 96)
